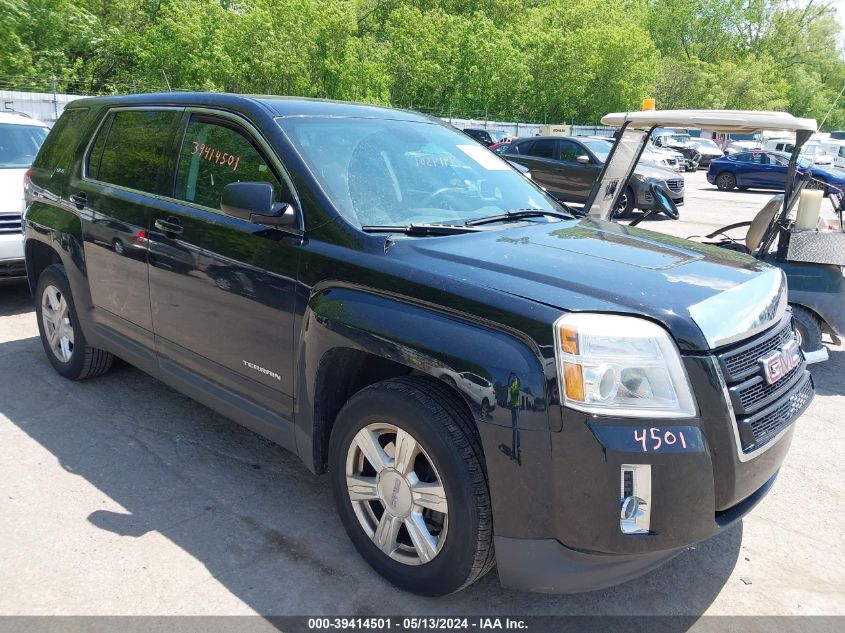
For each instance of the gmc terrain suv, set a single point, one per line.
(477, 369)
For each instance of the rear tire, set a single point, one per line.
(58, 325)
(726, 181)
(423, 550)
(808, 328)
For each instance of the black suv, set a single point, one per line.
(327, 274)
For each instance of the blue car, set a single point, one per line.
(767, 170)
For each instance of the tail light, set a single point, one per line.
(140, 237)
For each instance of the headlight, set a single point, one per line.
(622, 366)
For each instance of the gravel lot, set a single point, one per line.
(120, 496)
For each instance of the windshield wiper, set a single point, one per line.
(519, 214)
(421, 229)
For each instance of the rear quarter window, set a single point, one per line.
(62, 141)
(134, 147)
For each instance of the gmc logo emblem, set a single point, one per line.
(781, 361)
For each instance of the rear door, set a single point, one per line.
(221, 288)
(116, 195)
(576, 177)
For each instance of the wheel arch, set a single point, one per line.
(352, 338)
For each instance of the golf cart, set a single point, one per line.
(811, 259)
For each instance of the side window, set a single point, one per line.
(742, 158)
(134, 148)
(519, 148)
(213, 155)
(569, 151)
(544, 148)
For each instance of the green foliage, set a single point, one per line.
(554, 60)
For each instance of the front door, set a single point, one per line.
(222, 288)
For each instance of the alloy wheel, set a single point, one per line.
(58, 328)
(622, 204)
(397, 493)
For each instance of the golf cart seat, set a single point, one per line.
(756, 228)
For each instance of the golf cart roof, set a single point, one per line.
(716, 120)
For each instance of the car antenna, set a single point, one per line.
(167, 81)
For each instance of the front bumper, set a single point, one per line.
(11, 257)
(548, 566)
(564, 490)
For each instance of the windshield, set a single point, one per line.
(782, 158)
(680, 139)
(498, 137)
(19, 144)
(382, 172)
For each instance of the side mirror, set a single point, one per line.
(253, 201)
(583, 159)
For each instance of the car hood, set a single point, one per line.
(660, 173)
(593, 265)
(708, 151)
(830, 174)
(11, 190)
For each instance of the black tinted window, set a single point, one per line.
(96, 153)
(135, 148)
(567, 150)
(214, 155)
(543, 149)
(62, 139)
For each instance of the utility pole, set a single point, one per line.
(55, 98)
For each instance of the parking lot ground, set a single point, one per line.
(120, 496)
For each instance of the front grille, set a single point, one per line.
(762, 409)
(675, 185)
(10, 223)
(769, 423)
(742, 361)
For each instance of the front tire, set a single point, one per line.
(58, 325)
(808, 328)
(726, 181)
(625, 206)
(408, 480)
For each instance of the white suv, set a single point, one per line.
(20, 139)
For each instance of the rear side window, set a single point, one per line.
(60, 144)
(543, 149)
(132, 148)
(215, 154)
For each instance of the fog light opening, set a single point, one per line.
(635, 499)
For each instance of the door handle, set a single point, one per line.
(171, 226)
(79, 200)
